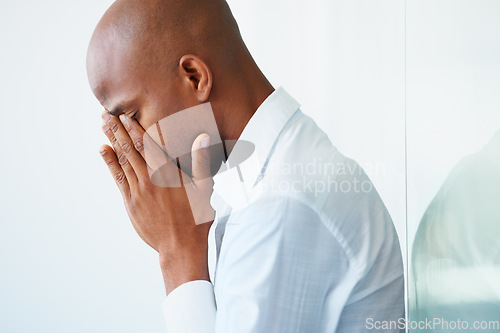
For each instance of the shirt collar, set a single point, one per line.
(236, 178)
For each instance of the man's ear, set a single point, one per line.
(197, 76)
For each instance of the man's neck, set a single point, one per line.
(241, 103)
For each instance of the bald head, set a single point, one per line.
(162, 56)
(152, 35)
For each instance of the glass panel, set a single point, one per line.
(453, 164)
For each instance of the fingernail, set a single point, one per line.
(103, 151)
(124, 119)
(106, 117)
(205, 142)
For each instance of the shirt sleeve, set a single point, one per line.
(275, 273)
(190, 308)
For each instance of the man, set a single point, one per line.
(301, 241)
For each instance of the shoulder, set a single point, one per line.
(311, 173)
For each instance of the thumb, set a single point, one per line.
(201, 157)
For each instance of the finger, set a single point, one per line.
(116, 170)
(199, 190)
(136, 133)
(152, 154)
(201, 157)
(129, 146)
(109, 130)
(163, 172)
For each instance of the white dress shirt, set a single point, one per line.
(302, 242)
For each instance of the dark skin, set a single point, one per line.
(147, 60)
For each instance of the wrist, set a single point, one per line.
(179, 268)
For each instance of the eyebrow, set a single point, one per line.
(117, 110)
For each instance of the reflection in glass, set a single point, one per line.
(456, 253)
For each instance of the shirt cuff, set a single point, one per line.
(191, 308)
